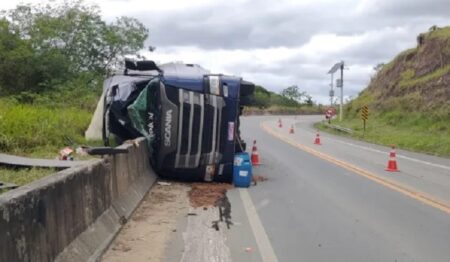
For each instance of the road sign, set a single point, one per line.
(329, 113)
(365, 113)
(338, 82)
(364, 116)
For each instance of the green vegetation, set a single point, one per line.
(408, 109)
(443, 33)
(44, 46)
(407, 76)
(413, 132)
(23, 176)
(53, 59)
(38, 129)
(396, 121)
(290, 101)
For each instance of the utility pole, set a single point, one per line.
(342, 91)
(339, 84)
(331, 91)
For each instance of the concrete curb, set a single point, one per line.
(74, 214)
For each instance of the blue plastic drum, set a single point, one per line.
(242, 170)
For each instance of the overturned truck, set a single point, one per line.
(189, 117)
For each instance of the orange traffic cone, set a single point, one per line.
(317, 140)
(280, 124)
(255, 156)
(291, 130)
(392, 163)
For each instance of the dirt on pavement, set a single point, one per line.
(207, 194)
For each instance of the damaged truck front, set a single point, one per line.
(189, 117)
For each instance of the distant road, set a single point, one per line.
(335, 202)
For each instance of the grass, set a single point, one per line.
(23, 176)
(407, 118)
(38, 130)
(40, 125)
(443, 33)
(408, 80)
(415, 132)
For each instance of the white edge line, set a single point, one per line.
(398, 155)
(262, 240)
(383, 152)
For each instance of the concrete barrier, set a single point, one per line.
(74, 214)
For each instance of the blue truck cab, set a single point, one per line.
(191, 119)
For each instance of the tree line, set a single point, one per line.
(288, 97)
(48, 46)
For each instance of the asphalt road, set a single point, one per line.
(335, 202)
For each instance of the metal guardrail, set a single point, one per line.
(4, 185)
(339, 128)
(19, 161)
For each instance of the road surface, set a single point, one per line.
(333, 202)
(314, 209)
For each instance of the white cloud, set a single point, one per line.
(283, 43)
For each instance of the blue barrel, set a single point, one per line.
(242, 170)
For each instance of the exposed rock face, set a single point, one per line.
(421, 74)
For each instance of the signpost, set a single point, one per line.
(339, 84)
(364, 116)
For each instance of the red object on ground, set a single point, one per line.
(317, 140)
(291, 130)
(392, 163)
(255, 155)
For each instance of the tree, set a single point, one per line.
(261, 97)
(378, 67)
(66, 39)
(293, 93)
(20, 68)
(309, 101)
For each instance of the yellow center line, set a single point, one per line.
(382, 181)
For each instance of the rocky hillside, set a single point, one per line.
(416, 81)
(409, 98)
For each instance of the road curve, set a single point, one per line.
(312, 209)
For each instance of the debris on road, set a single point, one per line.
(162, 183)
(81, 150)
(258, 178)
(207, 194)
(66, 153)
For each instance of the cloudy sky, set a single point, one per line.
(281, 43)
